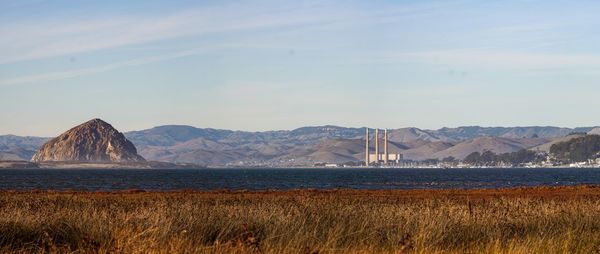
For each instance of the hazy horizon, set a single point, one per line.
(280, 65)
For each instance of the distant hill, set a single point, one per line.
(471, 132)
(497, 145)
(595, 131)
(546, 146)
(316, 144)
(328, 151)
(578, 149)
(19, 148)
(406, 135)
(170, 135)
(309, 145)
(426, 151)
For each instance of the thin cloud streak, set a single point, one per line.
(97, 69)
(22, 42)
(488, 59)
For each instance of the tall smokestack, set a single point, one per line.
(367, 147)
(377, 146)
(385, 146)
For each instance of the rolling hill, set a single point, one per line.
(546, 146)
(19, 148)
(309, 145)
(497, 145)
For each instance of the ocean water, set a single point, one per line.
(283, 179)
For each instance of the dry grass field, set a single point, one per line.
(535, 220)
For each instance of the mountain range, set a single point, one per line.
(309, 145)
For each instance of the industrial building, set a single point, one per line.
(380, 159)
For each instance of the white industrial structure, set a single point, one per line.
(378, 158)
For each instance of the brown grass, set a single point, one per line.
(535, 220)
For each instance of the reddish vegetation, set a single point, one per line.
(532, 220)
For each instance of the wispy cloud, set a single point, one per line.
(22, 40)
(26, 41)
(492, 59)
(97, 69)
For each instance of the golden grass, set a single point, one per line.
(539, 220)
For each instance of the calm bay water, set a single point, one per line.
(281, 179)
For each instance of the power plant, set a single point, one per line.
(380, 159)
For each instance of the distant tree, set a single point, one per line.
(577, 149)
(449, 159)
(489, 158)
(431, 161)
(520, 157)
(474, 158)
(535, 135)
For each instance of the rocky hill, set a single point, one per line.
(92, 141)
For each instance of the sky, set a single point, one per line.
(271, 65)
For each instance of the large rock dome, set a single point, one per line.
(92, 141)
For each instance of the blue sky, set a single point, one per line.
(266, 65)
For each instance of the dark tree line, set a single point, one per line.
(489, 158)
(577, 149)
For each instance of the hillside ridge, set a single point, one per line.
(308, 145)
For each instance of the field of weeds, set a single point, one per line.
(538, 220)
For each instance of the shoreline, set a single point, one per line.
(94, 165)
(166, 165)
(19, 164)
